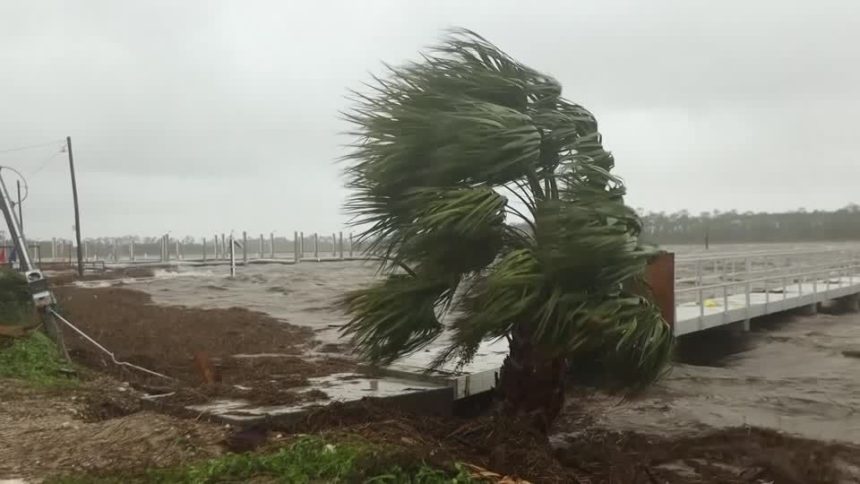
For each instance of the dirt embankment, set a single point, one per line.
(264, 356)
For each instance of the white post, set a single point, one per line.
(261, 247)
(215, 245)
(333, 245)
(317, 246)
(244, 247)
(301, 245)
(224, 251)
(272, 244)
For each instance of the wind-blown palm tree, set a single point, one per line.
(489, 200)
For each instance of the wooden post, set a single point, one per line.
(296, 247)
(262, 254)
(225, 253)
(333, 245)
(77, 211)
(350, 245)
(131, 250)
(272, 244)
(340, 244)
(316, 246)
(301, 245)
(204, 249)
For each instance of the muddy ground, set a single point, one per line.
(662, 436)
(98, 425)
(210, 353)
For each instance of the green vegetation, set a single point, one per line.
(488, 196)
(33, 359)
(16, 305)
(307, 460)
(734, 227)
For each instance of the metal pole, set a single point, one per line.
(77, 210)
(15, 233)
(20, 210)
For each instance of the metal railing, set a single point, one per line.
(845, 275)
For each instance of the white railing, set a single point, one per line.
(846, 275)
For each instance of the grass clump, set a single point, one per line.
(34, 359)
(306, 460)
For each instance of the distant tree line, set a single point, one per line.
(736, 227)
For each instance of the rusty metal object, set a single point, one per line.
(205, 367)
(660, 277)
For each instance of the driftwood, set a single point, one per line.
(16, 331)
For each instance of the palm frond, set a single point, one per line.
(394, 318)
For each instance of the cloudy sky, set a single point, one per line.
(196, 117)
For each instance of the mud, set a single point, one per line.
(253, 356)
(46, 432)
(583, 451)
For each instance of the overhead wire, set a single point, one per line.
(30, 147)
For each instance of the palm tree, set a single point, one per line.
(489, 201)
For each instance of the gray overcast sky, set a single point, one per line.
(197, 117)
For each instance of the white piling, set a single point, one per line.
(244, 247)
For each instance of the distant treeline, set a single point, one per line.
(735, 227)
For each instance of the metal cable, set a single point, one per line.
(105, 350)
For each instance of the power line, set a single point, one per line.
(45, 163)
(30, 147)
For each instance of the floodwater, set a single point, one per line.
(788, 375)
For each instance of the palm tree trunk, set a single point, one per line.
(531, 386)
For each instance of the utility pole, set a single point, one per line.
(20, 213)
(77, 210)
